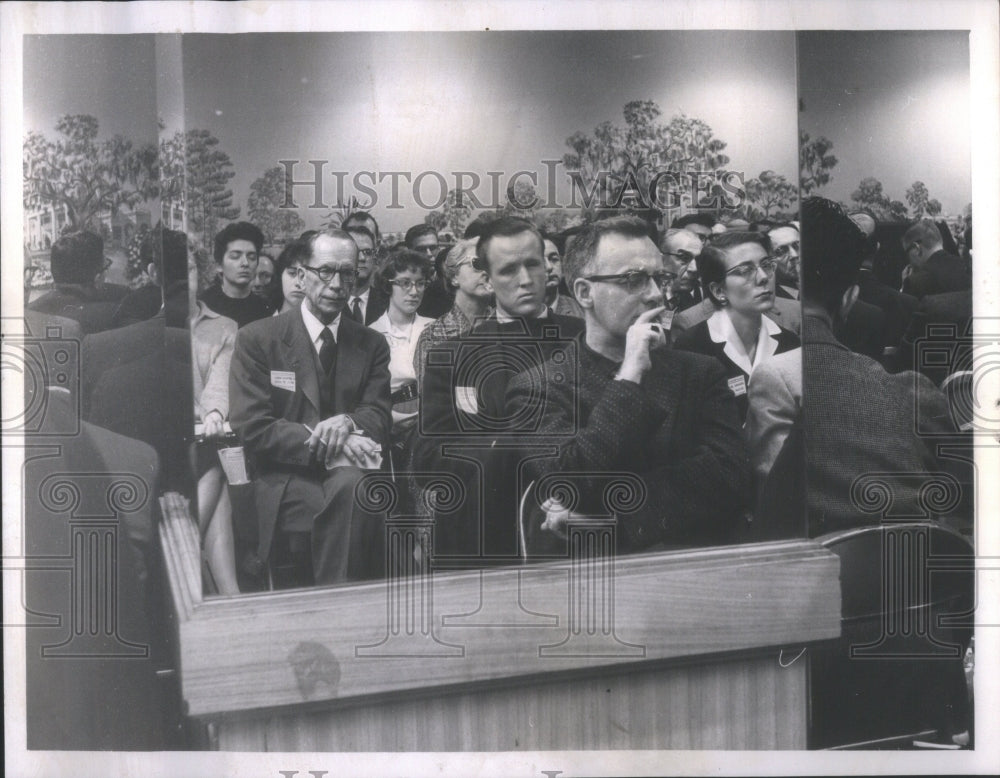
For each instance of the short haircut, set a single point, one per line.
(581, 249)
(832, 250)
(237, 231)
(400, 262)
(332, 232)
(416, 232)
(507, 227)
(925, 231)
(168, 250)
(477, 225)
(711, 262)
(295, 253)
(357, 229)
(701, 219)
(463, 251)
(363, 219)
(77, 257)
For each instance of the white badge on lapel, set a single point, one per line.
(465, 399)
(738, 385)
(283, 379)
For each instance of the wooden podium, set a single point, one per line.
(696, 649)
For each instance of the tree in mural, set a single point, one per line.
(267, 193)
(920, 201)
(87, 177)
(770, 194)
(870, 195)
(208, 198)
(815, 162)
(616, 166)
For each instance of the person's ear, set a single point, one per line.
(583, 292)
(847, 301)
(717, 292)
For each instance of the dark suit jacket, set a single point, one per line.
(378, 303)
(104, 351)
(698, 340)
(940, 319)
(138, 305)
(897, 307)
(470, 438)
(93, 307)
(270, 420)
(677, 431)
(942, 272)
(860, 421)
(864, 330)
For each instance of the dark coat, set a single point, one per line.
(464, 429)
(940, 321)
(92, 307)
(942, 272)
(861, 421)
(677, 432)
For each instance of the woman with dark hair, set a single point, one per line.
(404, 278)
(737, 274)
(285, 290)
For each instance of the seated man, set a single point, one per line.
(463, 424)
(77, 264)
(630, 405)
(859, 420)
(931, 269)
(310, 388)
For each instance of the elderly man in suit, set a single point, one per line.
(622, 402)
(309, 399)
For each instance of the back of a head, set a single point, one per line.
(77, 257)
(701, 219)
(168, 251)
(237, 231)
(832, 250)
(416, 232)
(581, 248)
(507, 227)
(925, 232)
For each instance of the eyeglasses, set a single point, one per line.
(683, 256)
(783, 251)
(637, 280)
(407, 285)
(366, 253)
(326, 274)
(432, 249)
(748, 270)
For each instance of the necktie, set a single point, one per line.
(328, 351)
(356, 311)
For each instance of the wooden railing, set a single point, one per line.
(318, 668)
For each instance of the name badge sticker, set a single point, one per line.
(738, 385)
(465, 399)
(283, 379)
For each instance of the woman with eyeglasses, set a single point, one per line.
(404, 278)
(737, 274)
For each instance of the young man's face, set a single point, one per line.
(366, 260)
(239, 265)
(517, 273)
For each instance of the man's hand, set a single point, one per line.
(642, 337)
(359, 450)
(213, 424)
(327, 440)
